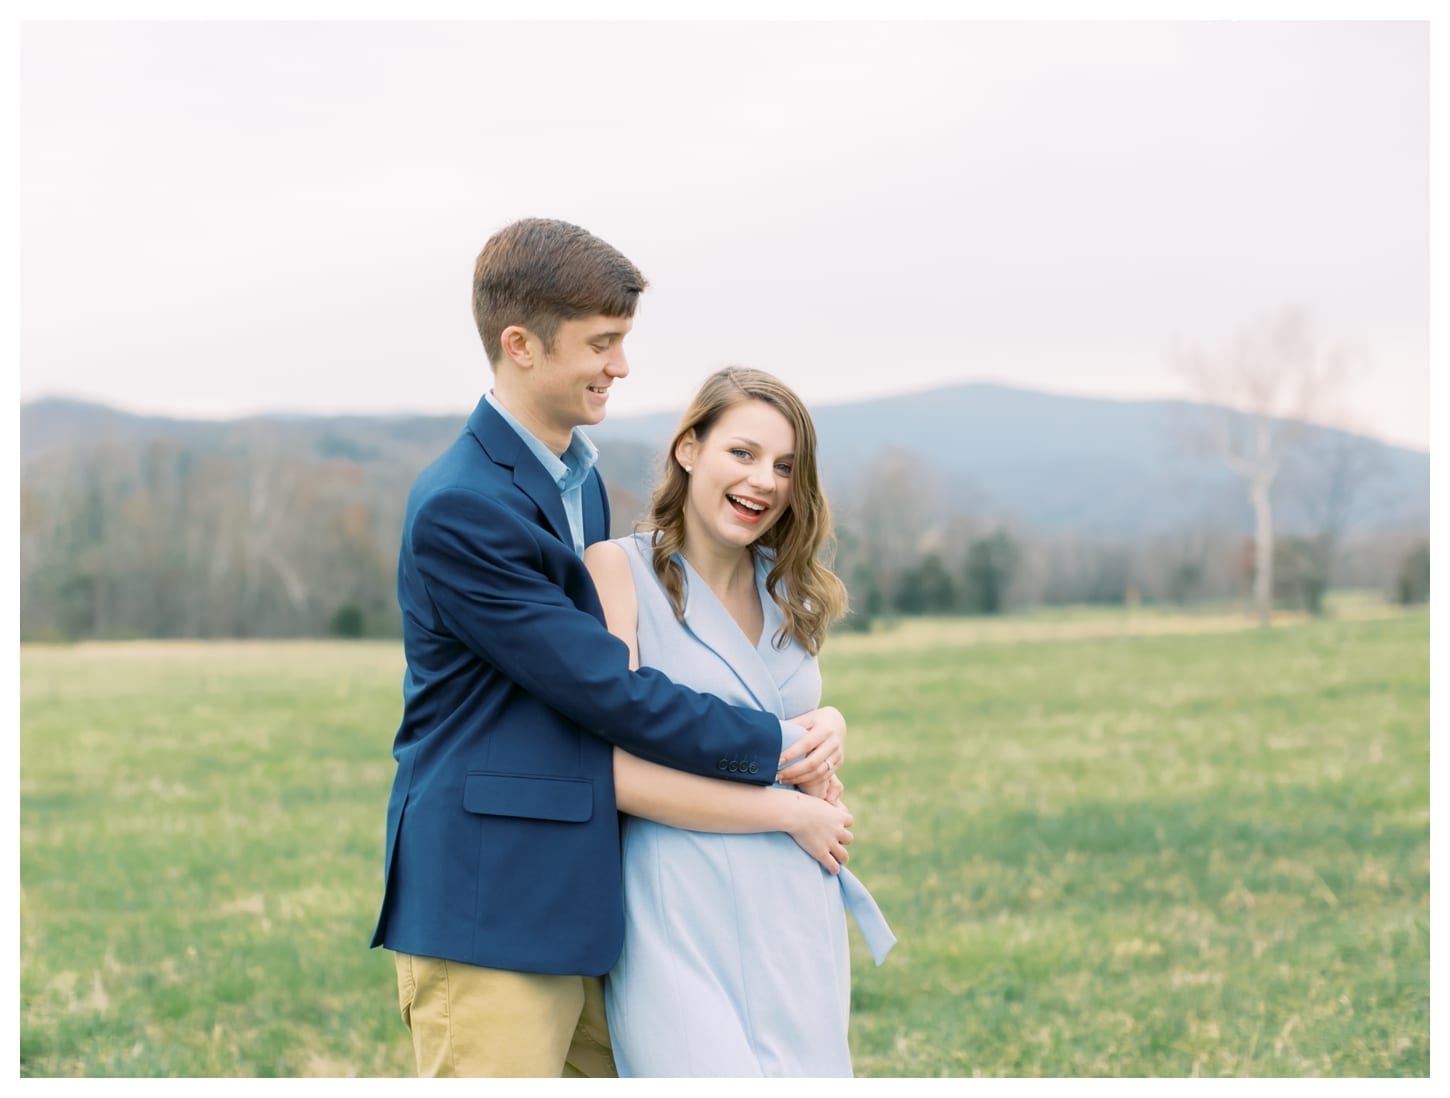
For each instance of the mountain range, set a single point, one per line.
(1044, 462)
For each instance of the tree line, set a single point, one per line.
(166, 538)
(904, 550)
(163, 539)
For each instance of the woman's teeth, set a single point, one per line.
(747, 504)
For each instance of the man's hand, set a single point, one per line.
(819, 753)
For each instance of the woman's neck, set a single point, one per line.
(726, 568)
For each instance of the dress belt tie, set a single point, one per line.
(862, 906)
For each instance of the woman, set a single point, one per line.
(735, 959)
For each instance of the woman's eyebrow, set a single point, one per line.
(755, 445)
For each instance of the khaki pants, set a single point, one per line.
(472, 1021)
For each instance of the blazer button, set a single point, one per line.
(723, 764)
(734, 767)
(754, 768)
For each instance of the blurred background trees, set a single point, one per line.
(971, 500)
(1259, 396)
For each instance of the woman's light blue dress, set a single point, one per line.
(735, 958)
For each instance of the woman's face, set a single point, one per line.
(741, 479)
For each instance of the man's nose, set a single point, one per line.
(618, 364)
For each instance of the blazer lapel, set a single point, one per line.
(503, 445)
(782, 663)
(596, 522)
(530, 478)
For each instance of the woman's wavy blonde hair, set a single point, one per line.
(808, 593)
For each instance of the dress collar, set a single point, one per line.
(760, 667)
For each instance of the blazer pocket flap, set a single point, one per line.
(570, 800)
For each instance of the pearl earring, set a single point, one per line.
(689, 468)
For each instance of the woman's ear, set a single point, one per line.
(686, 449)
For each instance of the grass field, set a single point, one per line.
(1105, 849)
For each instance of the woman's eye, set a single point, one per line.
(783, 469)
(743, 455)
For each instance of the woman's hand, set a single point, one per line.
(822, 830)
(828, 790)
(819, 753)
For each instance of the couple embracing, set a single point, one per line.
(615, 842)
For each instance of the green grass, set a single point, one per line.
(201, 833)
(1148, 856)
(1204, 853)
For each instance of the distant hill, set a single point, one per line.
(1045, 462)
(1060, 463)
(52, 426)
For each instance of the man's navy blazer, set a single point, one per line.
(502, 838)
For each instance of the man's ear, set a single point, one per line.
(519, 345)
(688, 447)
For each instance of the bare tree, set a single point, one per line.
(1332, 473)
(273, 493)
(1258, 396)
(1335, 470)
(897, 510)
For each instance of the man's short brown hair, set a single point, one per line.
(538, 272)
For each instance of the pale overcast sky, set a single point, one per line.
(223, 218)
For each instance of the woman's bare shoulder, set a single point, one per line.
(608, 564)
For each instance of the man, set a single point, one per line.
(502, 874)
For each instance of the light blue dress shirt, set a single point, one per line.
(568, 472)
